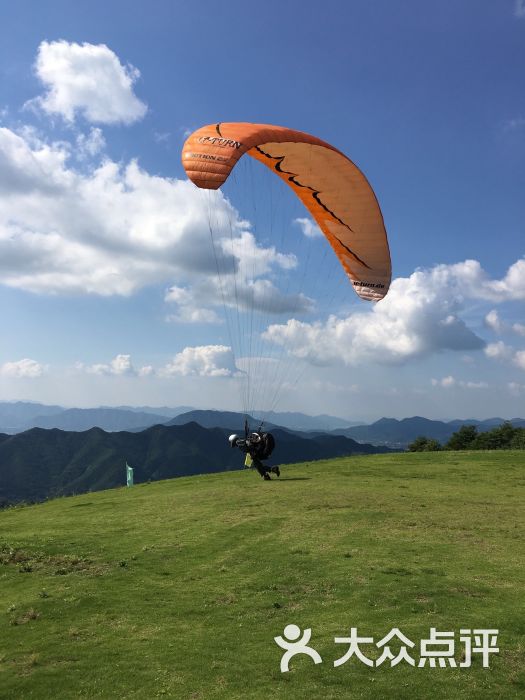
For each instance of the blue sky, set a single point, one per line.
(104, 299)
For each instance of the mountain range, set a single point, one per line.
(400, 433)
(39, 463)
(15, 417)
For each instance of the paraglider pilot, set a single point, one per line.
(259, 446)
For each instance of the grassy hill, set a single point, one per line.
(177, 588)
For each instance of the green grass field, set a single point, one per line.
(176, 589)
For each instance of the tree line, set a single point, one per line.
(504, 437)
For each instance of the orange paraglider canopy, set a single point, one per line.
(332, 188)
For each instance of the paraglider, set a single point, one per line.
(337, 196)
(333, 189)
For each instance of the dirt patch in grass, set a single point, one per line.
(57, 564)
(24, 618)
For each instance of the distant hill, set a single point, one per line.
(487, 424)
(219, 419)
(399, 433)
(301, 421)
(296, 422)
(16, 415)
(168, 411)
(41, 463)
(109, 419)
(390, 431)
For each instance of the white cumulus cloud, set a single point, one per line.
(191, 314)
(87, 79)
(498, 351)
(203, 361)
(146, 371)
(446, 382)
(239, 284)
(473, 282)
(91, 144)
(22, 368)
(113, 229)
(419, 316)
(493, 321)
(309, 228)
(519, 359)
(516, 389)
(474, 385)
(450, 381)
(119, 365)
(502, 352)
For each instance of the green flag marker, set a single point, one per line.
(129, 475)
